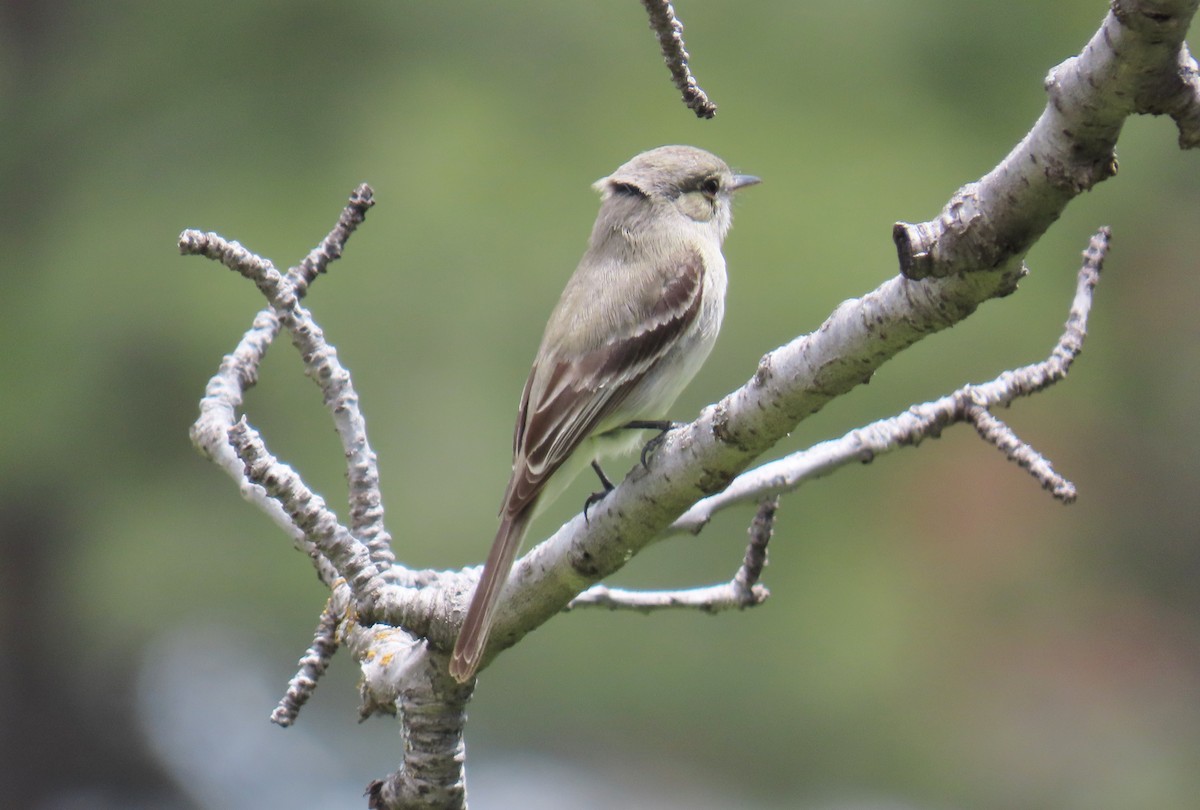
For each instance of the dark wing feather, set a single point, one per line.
(572, 404)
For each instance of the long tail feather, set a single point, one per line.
(473, 637)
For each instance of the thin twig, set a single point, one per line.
(238, 371)
(710, 599)
(350, 558)
(760, 531)
(670, 38)
(362, 469)
(313, 665)
(334, 244)
(742, 591)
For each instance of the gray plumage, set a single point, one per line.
(634, 324)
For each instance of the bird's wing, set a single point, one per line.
(581, 391)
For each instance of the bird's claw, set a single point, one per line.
(663, 427)
(596, 497)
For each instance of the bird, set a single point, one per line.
(633, 325)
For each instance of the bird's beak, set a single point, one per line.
(743, 180)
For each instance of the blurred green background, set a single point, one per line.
(941, 633)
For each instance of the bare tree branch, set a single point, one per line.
(755, 559)
(433, 706)
(709, 599)
(330, 248)
(350, 558)
(1181, 102)
(670, 38)
(283, 293)
(741, 592)
(968, 404)
(1136, 63)
(997, 433)
(362, 469)
(239, 369)
(313, 664)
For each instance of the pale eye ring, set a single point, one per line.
(710, 186)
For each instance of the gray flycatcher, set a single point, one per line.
(633, 326)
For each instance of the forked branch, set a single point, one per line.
(971, 403)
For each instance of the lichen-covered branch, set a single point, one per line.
(400, 676)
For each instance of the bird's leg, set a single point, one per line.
(663, 426)
(596, 497)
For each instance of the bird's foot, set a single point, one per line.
(596, 497)
(663, 426)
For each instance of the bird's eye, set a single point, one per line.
(710, 186)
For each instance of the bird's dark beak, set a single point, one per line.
(743, 180)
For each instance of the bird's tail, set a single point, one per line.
(473, 637)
